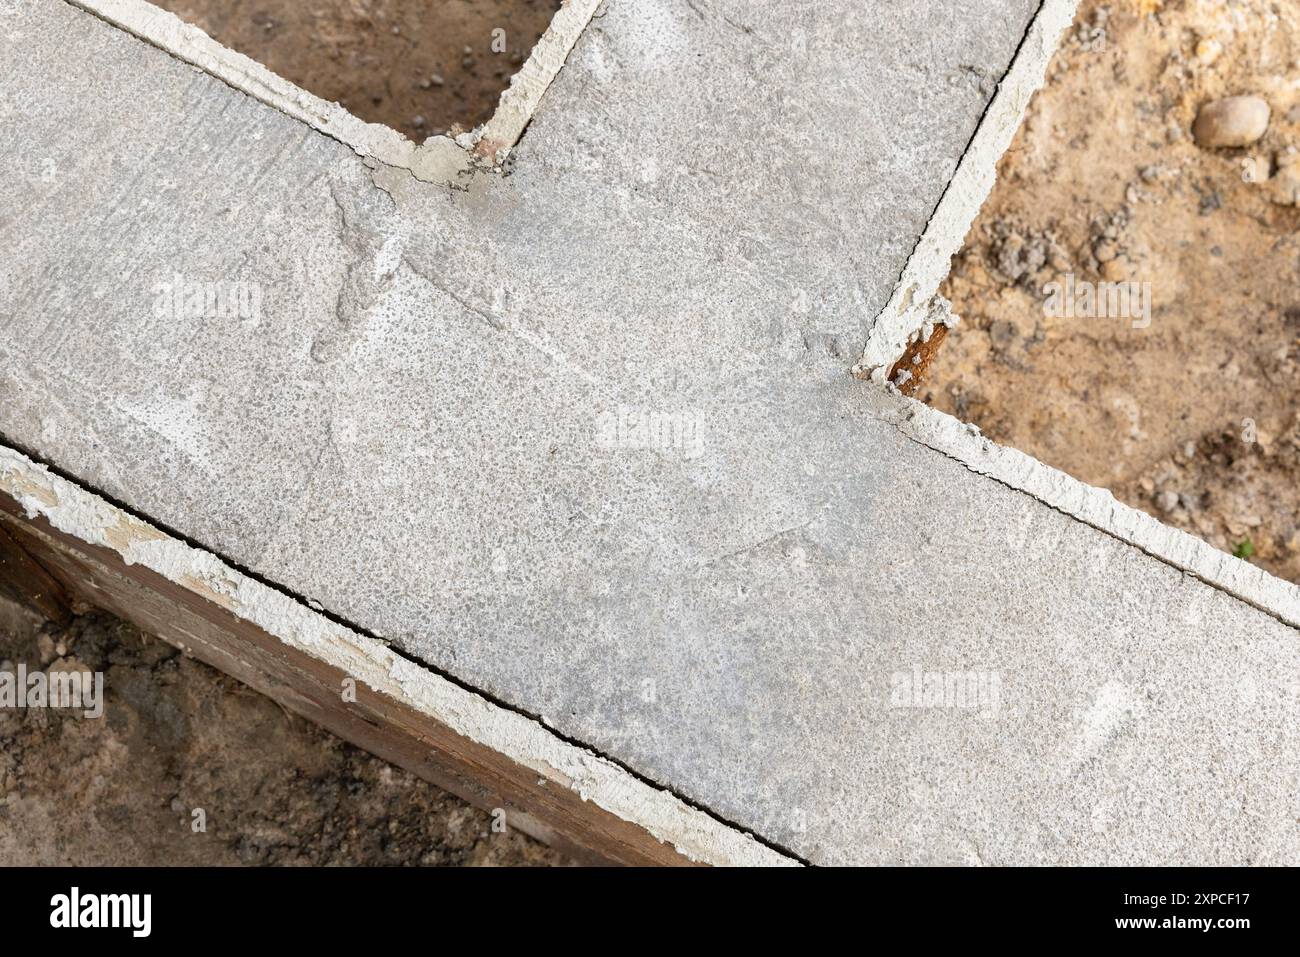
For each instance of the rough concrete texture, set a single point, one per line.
(419, 429)
(523, 741)
(913, 308)
(426, 161)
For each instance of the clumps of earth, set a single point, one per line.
(178, 737)
(1162, 151)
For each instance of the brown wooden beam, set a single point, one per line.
(27, 582)
(55, 566)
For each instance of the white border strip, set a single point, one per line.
(87, 517)
(931, 261)
(438, 157)
(912, 307)
(1098, 508)
(520, 100)
(168, 32)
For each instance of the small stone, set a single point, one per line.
(1167, 500)
(1115, 271)
(418, 121)
(45, 649)
(1002, 334)
(435, 79)
(1105, 251)
(1231, 122)
(1208, 50)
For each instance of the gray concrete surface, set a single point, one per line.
(712, 204)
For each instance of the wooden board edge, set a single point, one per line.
(355, 686)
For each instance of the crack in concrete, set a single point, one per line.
(501, 324)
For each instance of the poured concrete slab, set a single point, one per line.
(580, 431)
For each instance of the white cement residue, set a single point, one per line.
(87, 517)
(438, 158)
(1098, 508)
(909, 307)
(519, 101)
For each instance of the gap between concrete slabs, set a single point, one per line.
(437, 159)
(695, 833)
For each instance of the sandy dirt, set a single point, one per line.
(177, 736)
(419, 66)
(1196, 417)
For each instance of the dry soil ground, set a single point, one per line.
(1195, 418)
(419, 66)
(178, 737)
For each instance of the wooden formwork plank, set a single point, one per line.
(314, 689)
(24, 579)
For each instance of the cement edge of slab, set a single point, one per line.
(81, 514)
(914, 308)
(911, 307)
(1099, 509)
(520, 100)
(438, 158)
